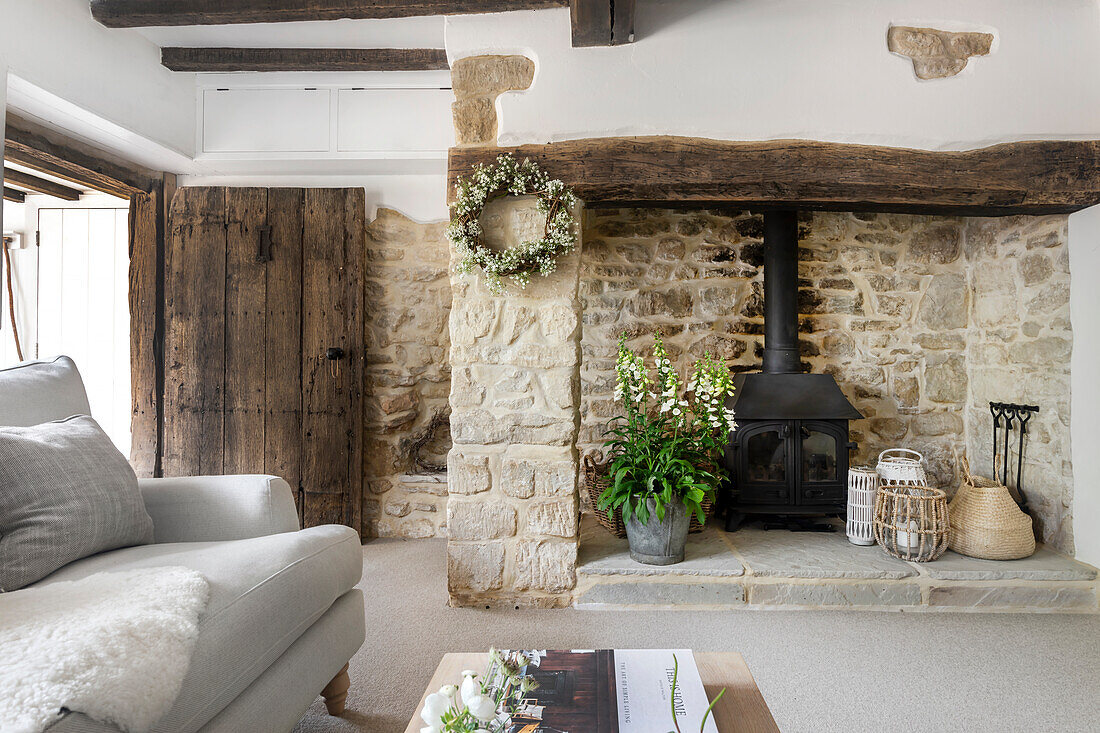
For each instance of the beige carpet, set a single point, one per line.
(819, 671)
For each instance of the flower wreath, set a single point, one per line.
(508, 177)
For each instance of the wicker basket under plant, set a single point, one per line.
(987, 523)
(596, 479)
(911, 521)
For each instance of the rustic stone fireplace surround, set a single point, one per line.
(922, 320)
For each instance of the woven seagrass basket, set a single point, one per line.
(986, 522)
(596, 481)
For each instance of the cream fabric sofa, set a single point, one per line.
(284, 615)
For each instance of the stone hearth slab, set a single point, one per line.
(662, 594)
(784, 554)
(835, 595)
(1047, 596)
(602, 553)
(1045, 564)
(754, 569)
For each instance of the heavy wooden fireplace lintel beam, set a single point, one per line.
(1033, 177)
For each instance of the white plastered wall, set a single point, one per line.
(815, 69)
(111, 76)
(1084, 263)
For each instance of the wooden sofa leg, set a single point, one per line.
(336, 692)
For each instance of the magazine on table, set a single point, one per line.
(612, 691)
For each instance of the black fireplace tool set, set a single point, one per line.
(1005, 416)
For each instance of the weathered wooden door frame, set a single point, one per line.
(32, 145)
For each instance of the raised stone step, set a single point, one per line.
(754, 568)
(667, 594)
(1045, 564)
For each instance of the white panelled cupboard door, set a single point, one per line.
(83, 307)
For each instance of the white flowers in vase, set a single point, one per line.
(479, 704)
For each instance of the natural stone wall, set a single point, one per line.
(477, 81)
(886, 308)
(408, 300)
(1020, 346)
(937, 54)
(512, 511)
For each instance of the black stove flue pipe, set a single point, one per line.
(781, 354)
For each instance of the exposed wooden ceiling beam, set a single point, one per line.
(1040, 177)
(303, 59)
(591, 22)
(138, 13)
(10, 194)
(31, 145)
(601, 22)
(622, 22)
(40, 185)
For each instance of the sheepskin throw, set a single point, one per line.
(114, 646)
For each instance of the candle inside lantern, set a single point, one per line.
(909, 540)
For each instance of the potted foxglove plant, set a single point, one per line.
(665, 449)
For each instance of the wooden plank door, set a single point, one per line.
(194, 334)
(333, 248)
(259, 285)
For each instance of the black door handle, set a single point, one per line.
(334, 352)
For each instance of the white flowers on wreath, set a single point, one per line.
(509, 177)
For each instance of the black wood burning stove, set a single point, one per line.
(789, 455)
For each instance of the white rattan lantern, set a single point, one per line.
(862, 486)
(901, 466)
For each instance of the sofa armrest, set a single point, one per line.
(213, 508)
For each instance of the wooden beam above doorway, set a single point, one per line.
(140, 13)
(40, 185)
(32, 145)
(10, 194)
(220, 60)
(1035, 177)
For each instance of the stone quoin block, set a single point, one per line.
(468, 473)
(476, 566)
(474, 519)
(546, 565)
(555, 517)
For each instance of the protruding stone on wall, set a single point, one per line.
(937, 54)
(477, 82)
(513, 509)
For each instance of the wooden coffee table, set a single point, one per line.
(741, 710)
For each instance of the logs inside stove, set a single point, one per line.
(789, 455)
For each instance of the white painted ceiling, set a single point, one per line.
(420, 32)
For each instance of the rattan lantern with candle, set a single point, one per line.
(911, 521)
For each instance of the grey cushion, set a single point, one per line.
(35, 392)
(211, 508)
(65, 493)
(264, 593)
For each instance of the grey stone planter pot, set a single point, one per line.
(659, 543)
